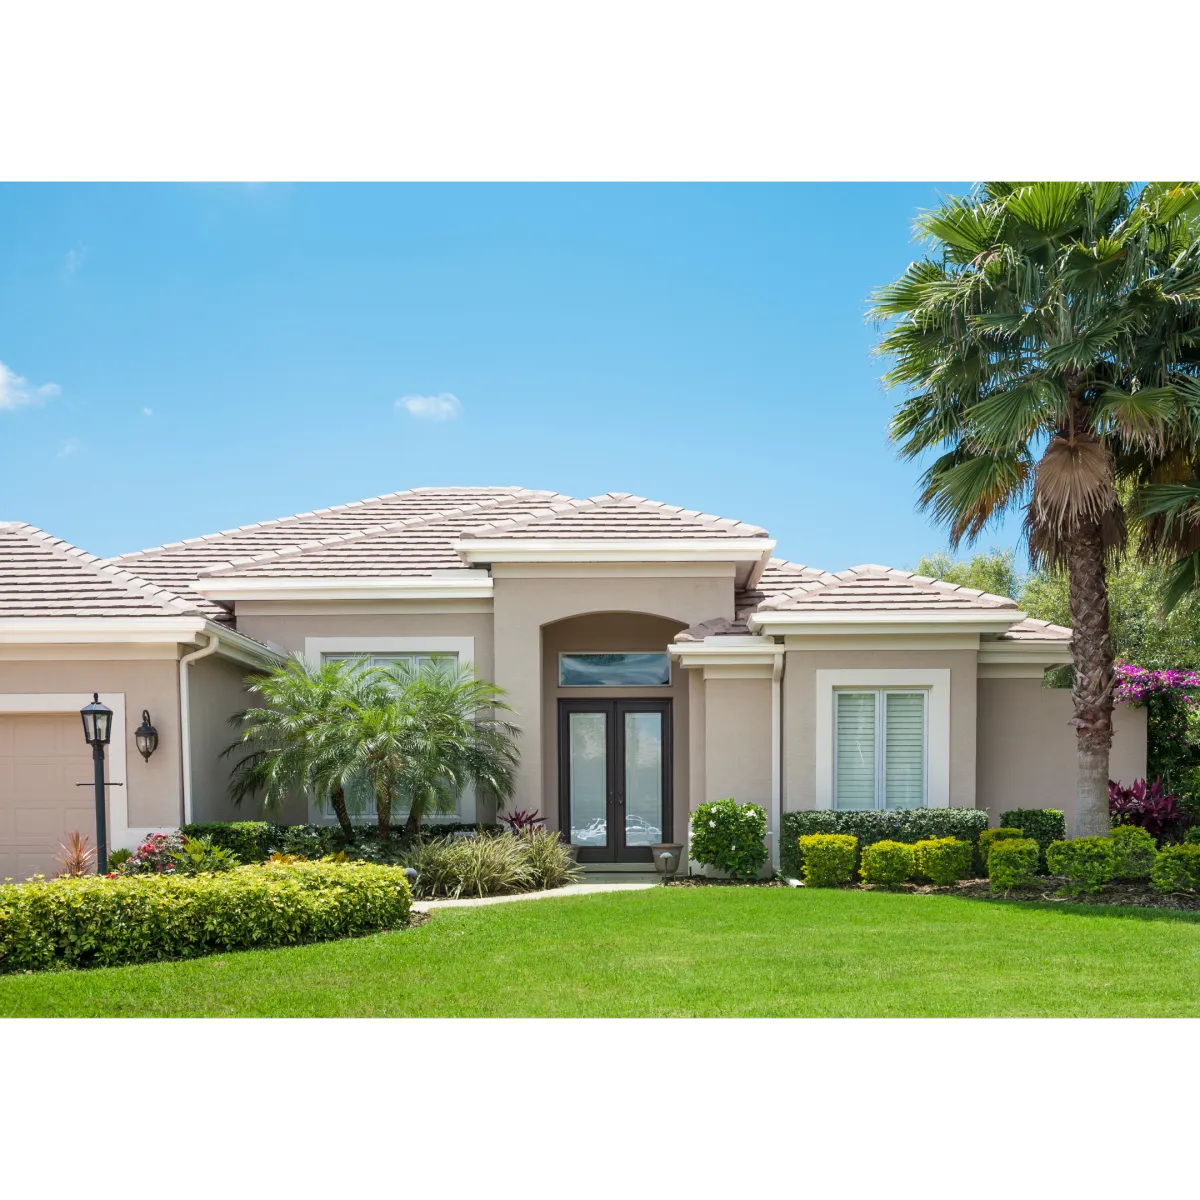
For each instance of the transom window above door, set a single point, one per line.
(415, 661)
(880, 754)
(626, 669)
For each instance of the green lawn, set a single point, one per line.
(683, 952)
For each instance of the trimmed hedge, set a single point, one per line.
(1133, 852)
(887, 863)
(989, 837)
(1177, 869)
(1044, 825)
(94, 921)
(1012, 863)
(1088, 863)
(908, 825)
(943, 861)
(256, 841)
(827, 859)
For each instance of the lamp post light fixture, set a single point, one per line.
(146, 736)
(97, 730)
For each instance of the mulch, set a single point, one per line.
(1135, 895)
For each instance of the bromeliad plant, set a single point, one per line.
(1146, 805)
(1049, 348)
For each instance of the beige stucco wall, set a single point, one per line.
(289, 625)
(153, 788)
(1027, 747)
(612, 632)
(737, 740)
(799, 709)
(528, 598)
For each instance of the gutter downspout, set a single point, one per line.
(776, 757)
(185, 721)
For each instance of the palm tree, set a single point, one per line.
(1041, 343)
(420, 735)
(287, 744)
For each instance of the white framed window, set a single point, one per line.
(415, 661)
(880, 749)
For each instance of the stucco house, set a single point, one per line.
(657, 657)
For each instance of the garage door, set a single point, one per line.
(42, 758)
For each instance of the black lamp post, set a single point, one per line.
(97, 730)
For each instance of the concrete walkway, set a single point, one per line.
(572, 889)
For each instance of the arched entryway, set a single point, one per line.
(614, 723)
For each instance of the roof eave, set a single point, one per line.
(614, 550)
(810, 622)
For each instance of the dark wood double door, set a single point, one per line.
(614, 766)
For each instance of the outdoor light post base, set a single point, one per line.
(666, 856)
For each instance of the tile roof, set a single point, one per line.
(43, 576)
(610, 516)
(1033, 630)
(879, 589)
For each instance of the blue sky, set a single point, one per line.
(180, 359)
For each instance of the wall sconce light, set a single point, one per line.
(146, 736)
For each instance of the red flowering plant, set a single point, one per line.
(1149, 806)
(155, 856)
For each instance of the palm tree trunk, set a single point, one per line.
(1093, 689)
(337, 800)
(412, 826)
(383, 804)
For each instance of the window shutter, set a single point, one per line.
(904, 749)
(855, 766)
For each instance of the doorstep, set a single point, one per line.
(639, 868)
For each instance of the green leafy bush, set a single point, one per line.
(887, 863)
(1134, 851)
(729, 836)
(118, 857)
(1177, 868)
(827, 859)
(1012, 863)
(989, 837)
(251, 841)
(1044, 825)
(897, 825)
(490, 866)
(1193, 834)
(198, 856)
(943, 861)
(104, 922)
(1088, 863)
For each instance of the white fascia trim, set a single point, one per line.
(1047, 653)
(453, 585)
(120, 835)
(748, 651)
(934, 679)
(549, 550)
(954, 621)
(58, 630)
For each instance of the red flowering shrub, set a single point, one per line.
(155, 856)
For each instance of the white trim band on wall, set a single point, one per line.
(935, 680)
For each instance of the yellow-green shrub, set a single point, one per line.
(828, 858)
(989, 837)
(1134, 851)
(1088, 863)
(93, 921)
(1177, 869)
(1012, 863)
(943, 861)
(887, 863)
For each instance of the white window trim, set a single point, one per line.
(610, 686)
(315, 648)
(936, 681)
(120, 835)
(879, 695)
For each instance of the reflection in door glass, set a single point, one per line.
(589, 778)
(643, 778)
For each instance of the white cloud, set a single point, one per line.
(74, 259)
(443, 407)
(69, 447)
(147, 412)
(16, 391)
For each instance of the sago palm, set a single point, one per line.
(1042, 345)
(419, 736)
(288, 744)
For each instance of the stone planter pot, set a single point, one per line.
(666, 856)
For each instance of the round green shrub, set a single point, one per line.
(1088, 863)
(1012, 863)
(1134, 852)
(887, 863)
(729, 836)
(943, 861)
(989, 837)
(1044, 825)
(1177, 869)
(827, 859)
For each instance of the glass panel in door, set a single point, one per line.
(587, 737)
(643, 807)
